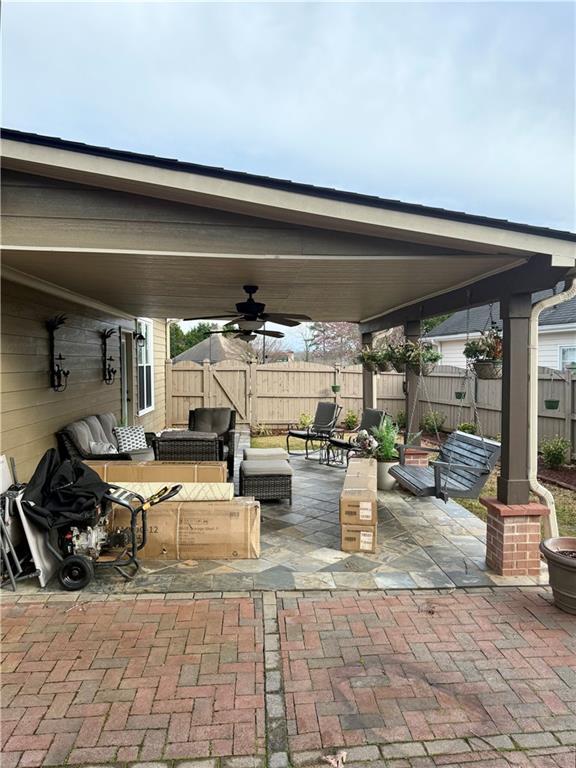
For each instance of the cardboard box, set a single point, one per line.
(161, 471)
(358, 538)
(199, 530)
(188, 492)
(358, 507)
(361, 467)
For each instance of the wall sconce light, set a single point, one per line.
(108, 373)
(139, 338)
(58, 376)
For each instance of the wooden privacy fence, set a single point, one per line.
(275, 394)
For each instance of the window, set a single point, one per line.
(566, 357)
(145, 368)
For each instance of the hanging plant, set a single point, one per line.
(485, 354)
(335, 388)
(419, 357)
(460, 395)
(551, 405)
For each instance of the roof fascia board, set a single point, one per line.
(274, 203)
(37, 284)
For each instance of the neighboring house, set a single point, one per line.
(215, 348)
(556, 335)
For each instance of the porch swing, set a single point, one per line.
(464, 462)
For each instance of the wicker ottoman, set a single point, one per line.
(266, 479)
(265, 454)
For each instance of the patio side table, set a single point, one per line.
(184, 445)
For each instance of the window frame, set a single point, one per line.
(561, 348)
(146, 321)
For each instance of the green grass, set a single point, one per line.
(565, 499)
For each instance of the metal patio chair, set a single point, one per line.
(337, 447)
(321, 430)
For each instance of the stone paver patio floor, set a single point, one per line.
(483, 677)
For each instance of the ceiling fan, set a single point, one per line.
(250, 315)
(247, 335)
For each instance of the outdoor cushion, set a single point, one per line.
(259, 454)
(108, 422)
(81, 435)
(257, 468)
(212, 420)
(98, 434)
(130, 439)
(102, 447)
(143, 454)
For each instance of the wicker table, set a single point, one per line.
(184, 445)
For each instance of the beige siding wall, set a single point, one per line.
(31, 412)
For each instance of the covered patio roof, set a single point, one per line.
(156, 237)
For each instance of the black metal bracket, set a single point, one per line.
(58, 375)
(108, 372)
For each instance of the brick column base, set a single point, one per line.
(513, 537)
(415, 456)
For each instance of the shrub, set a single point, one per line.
(554, 452)
(351, 420)
(433, 421)
(467, 426)
(386, 437)
(261, 430)
(305, 420)
(401, 419)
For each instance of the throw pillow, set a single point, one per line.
(130, 439)
(99, 447)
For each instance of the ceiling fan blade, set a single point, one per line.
(223, 316)
(280, 320)
(278, 317)
(273, 334)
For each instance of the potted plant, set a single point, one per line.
(335, 388)
(485, 354)
(385, 452)
(551, 405)
(369, 358)
(383, 358)
(398, 357)
(560, 554)
(421, 357)
(460, 394)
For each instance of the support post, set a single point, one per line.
(369, 382)
(412, 332)
(513, 483)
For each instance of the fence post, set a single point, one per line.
(253, 392)
(169, 394)
(206, 384)
(568, 409)
(338, 382)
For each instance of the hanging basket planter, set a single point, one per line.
(488, 369)
(335, 388)
(399, 367)
(385, 367)
(551, 405)
(421, 369)
(460, 395)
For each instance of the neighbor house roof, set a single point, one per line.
(478, 318)
(281, 184)
(215, 349)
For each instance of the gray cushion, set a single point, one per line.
(81, 435)
(259, 467)
(212, 420)
(98, 434)
(108, 422)
(265, 454)
(146, 454)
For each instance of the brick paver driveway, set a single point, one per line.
(406, 680)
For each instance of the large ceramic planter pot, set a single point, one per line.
(562, 570)
(385, 481)
(488, 369)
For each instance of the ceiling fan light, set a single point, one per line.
(250, 325)
(246, 336)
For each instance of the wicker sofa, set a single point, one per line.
(74, 440)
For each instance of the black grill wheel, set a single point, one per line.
(75, 572)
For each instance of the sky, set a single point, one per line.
(463, 105)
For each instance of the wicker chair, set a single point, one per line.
(322, 428)
(222, 421)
